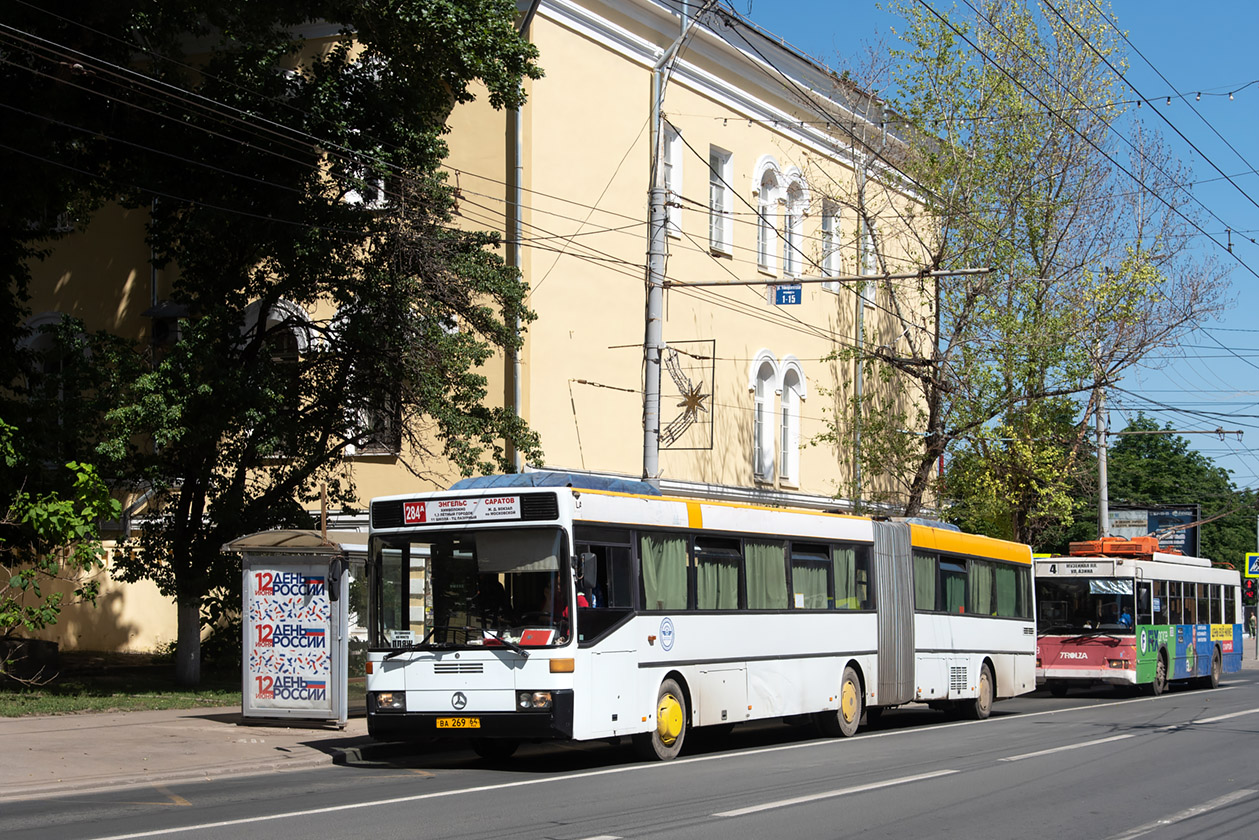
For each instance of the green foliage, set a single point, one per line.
(329, 303)
(1162, 469)
(47, 537)
(1012, 114)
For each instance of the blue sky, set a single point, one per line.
(1213, 380)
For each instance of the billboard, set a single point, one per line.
(1161, 520)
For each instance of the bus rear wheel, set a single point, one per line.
(845, 721)
(1217, 668)
(1159, 683)
(665, 741)
(981, 706)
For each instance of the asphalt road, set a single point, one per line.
(1092, 765)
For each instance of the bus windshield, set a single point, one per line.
(1084, 605)
(473, 588)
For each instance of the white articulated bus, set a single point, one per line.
(505, 610)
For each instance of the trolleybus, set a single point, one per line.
(1122, 612)
(541, 606)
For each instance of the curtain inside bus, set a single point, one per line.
(664, 572)
(924, 582)
(810, 576)
(717, 563)
(767, 575)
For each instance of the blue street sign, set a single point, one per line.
(1252, 564)
(787, 295)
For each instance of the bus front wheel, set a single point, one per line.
(981, 706)
(665, 741)
(847, 718)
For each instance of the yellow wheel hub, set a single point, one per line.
(669, 719)
(848, 701)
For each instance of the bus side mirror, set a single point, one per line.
(580, 563)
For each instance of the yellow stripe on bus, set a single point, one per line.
(694, 515)
(955, 542)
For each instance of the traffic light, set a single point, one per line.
(1248, 590)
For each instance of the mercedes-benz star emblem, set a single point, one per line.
(459, 700)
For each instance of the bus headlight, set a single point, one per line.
(391, 701)
(533, 700)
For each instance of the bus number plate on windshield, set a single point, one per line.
(459, 723)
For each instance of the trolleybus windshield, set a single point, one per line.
(1084, 605)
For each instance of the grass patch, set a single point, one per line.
(119, 682)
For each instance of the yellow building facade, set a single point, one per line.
(765, 156)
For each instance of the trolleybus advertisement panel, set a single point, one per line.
(288, 630)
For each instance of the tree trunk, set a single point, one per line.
(188, 645)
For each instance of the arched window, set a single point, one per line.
(766, 235)
(286, 330)
(764, 384)
(792, 220)
(793, 393)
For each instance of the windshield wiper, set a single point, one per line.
(508, 643)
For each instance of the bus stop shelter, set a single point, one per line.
(297, 622)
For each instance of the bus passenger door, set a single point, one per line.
(610, 678)
(894, 599)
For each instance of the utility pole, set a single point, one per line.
(657, 256)
(1103, 486)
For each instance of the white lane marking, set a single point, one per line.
(833, 742)
(1219, 718)
(1226, 799)
(831, 794)
(1066, 747)
(603, 837)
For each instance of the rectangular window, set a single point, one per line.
(791, 244)
(1161, 606)
(717, 566)
(720, 220)
(765, 237)
(999, 589)
(663, 559)
(766, 564)
(1217, 604)
(924, 582)
(869, 264)
(852, 577)
(784, 443)
(1174, 612)
(1230, 605)
(810, 576)
(672, 167)
(952, 586)
(1143, 603)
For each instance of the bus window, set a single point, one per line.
(1190, 606)
(663, 561)
(810, 576)
(606, 578)
(852, 577)
(952, 587)
(1230, 605)
(998, 589)
(766, 565)
(1160, 605)
(1173, 602)
(1217, 605)
(717, 566)
(1143, 603)
(924, 582)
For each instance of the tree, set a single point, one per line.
(49, 542)
(327, 302)
(1149, 465)
(1015, 168)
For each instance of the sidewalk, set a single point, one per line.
(49, 756)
